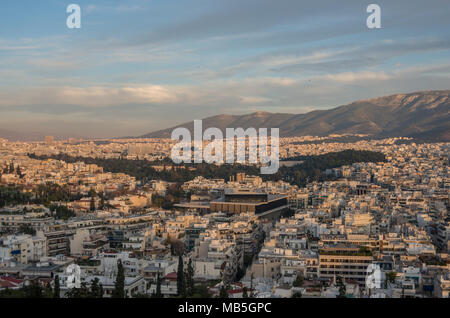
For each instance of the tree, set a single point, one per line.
(119, 285)
(12, 293)
(62, 212)
(201, 291)
(33, 291)
(181, 287)
(92, 193)
(158, 293)
(95, 288)
(176, 246)
(48, 292)
(223, 292)
(390, 277)
(102, 201)
(298, 282)
(27, 229)
(92, 205)
(297, 295)
(82, 292)
(19, 172)
(56, 290)
(252, 295)
(190, 279)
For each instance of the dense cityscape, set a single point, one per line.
(169, 233)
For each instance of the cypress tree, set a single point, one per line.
(56, 290)
(244, 292)
(119, 285)
(181, 287)
(92, 205)
(190, 278)
(158, 287)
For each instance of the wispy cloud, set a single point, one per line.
(147, 64)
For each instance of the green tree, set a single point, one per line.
(223, 292)
(190, 279)
(92, 193)
(48, 292)
(95, 288)
(201, 291)
(181, 286)
(56, 290)
(102, 200)
(158, 293)
(62, 212)
(33, 291)
(297, 295)
(12, 293)
(119, 285)
(19, 172)
(92, 204)
(82, 292)
(390, 277)
(27, 229)
(298, 282)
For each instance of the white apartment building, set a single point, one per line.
(25, 248)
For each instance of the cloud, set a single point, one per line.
(253, 100)
(163, 66)
(95, 96)
(267, 91)
(152, 94)
(144, 108)
(349, 77)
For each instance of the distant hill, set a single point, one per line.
(423, 115)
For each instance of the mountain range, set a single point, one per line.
(422, 115)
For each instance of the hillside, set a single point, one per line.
(423, 115)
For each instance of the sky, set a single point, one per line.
(138, 66)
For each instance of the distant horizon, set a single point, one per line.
(40, 136)
(143, 65)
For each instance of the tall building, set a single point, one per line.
(347, 261)
(262, 204)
